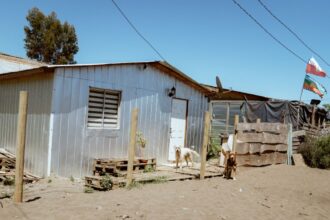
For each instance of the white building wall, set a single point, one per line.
(39, 101)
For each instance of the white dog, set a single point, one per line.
(183, 153)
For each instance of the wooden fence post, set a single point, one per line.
(205, 143)
(289, 151)
(131, 149)
(236, 121)
(20, 146)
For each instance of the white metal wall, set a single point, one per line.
(39, 101)
(74, 145)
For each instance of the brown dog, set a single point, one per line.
(230, 166)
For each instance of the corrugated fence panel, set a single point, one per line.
(39, 101)
(75, 145)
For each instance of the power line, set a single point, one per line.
(270, 34)
(137, 31)
(292, 32)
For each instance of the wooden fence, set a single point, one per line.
(260, 144)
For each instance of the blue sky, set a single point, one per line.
(203, 38)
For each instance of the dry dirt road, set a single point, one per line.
(274, 192)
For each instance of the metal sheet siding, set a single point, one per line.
(39, 104)
(74, 145)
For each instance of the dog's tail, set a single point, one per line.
(194, 152)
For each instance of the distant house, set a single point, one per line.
(9, 63)
(80, 112)
(223, 108)
(225, 105)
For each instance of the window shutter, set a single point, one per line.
(103, 108)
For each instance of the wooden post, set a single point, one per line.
(205, 143)
(236, 121)
(289, 151)
(227, 117)
(131, 148)
(20, 146)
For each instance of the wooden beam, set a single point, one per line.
(298, 133)
(236, 121)
(205, 143)
(20, 146)
(277, 128)
(131, 149)
(227, 117)
(289, 151)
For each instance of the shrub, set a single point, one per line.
(106, 182)
(213, 151)
(133, 185)
(148, 169)
(88, 189)
(9, 181)
(316, 152)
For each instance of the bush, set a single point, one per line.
(9, 181)
(148, 169)
(88, 189)
(213, 151)
(316, 152)
(106, 182)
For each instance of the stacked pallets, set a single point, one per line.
(7, 168)
(116, 168)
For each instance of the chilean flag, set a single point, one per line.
(314, 68)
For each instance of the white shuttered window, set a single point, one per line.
(103, 108)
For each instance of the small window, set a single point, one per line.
(103, 108)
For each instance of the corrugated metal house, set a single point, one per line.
(80, 112)
(223, 108)
(9, 63)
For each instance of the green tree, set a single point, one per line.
(48, 40)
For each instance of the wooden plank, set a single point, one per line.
(248, 148)
(242, 148)
(278, 128)
(264, 137)
(289, 142)
(281, 147)
(132, 141)
(250, 137)
(269, 138)
(207, 120)
(20, 146)
(262, 159)
(298, 133)
(266, 148)
(236, 122)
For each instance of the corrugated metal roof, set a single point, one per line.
(9, 63)
(229, 94)
(161, 65)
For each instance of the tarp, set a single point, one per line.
(281, 111)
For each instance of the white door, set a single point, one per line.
(178, 126)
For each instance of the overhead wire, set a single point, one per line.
(137, 31)
(292, 32)
(269, 33)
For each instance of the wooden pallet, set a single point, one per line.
(7, 168)
(7, 163)
(95, 182)
(118, 167)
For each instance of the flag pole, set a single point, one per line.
(298, 111)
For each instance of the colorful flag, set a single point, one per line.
(314, 68)
(313, 86)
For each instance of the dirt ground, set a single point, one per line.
(274, 192)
